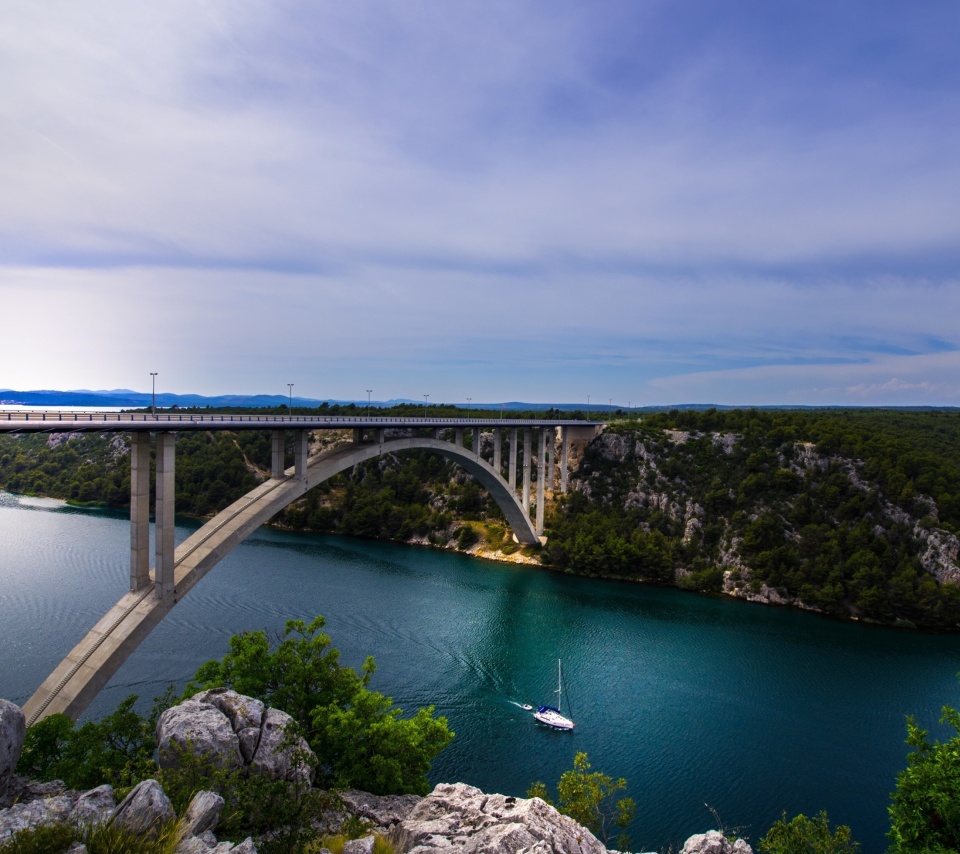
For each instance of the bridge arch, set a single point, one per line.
(96, 658)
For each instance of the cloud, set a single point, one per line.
(525, 193)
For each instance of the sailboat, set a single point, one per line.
(550, 716)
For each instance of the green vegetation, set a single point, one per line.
(360, 739)
(357, 734)
(925, 808)
(106, 838)
(590, 799)
(117, 750)
(833, 509)
(802, 835)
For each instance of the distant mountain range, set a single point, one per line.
(134, 400)
(128, 399)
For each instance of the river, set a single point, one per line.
(694, 700)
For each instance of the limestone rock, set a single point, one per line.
(714, 842)
(199, 729)
(13, 728)
(242, 711)
(202, 814)
(383, 810)
(245, 847)
(249, 738)
(457, 816)
(278, 756)
(360, 846)
(94, 806)
(35, 814)
(144, 808)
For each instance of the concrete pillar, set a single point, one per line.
(551, 468)
(513, 459)
(301, 448)
(458, 437)
(163, 532)
(564, 458)
(527, 442)
(476, 442)
(434, 433)
(381, 434)
(357, 435)
(139, 511)
(541, 475)
(277, 467)
(497, 462)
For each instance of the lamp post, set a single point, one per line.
(290, 390)
(369, 392)
(153, 394)
(425, 406)
(468, 402)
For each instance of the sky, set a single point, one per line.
(643, 202)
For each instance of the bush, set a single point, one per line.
(589, 798)
(359, 737)
(802, 835)
(925, 811)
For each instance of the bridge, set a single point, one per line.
(155, 590)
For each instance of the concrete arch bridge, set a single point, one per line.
(155, 590)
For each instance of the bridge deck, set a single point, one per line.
(124, 422)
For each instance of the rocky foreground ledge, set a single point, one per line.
(233, 730)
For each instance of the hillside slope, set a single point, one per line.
(754, 508)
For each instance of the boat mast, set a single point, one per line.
(559, 685)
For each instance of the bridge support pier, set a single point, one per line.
(513, 459)
(476, 442)
(527, 442)
(551, 467)
(541, 475)
(277, 467)
(458, 437)
(300, 450)
(497, 461)
(139, 511)
(564, 458)
(163, 535)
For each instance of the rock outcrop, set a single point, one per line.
(714, 842)
(13, 728)
(233, 731)
(462, 818)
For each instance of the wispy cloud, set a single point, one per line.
(530, 199)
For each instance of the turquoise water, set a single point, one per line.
(694, 700)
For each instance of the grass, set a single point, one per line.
(103, 838)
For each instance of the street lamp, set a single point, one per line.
(290, 390)
(153, 394)
(369, 392)
(468, 402)
(425, 406)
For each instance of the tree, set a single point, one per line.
(589, 798)
(359, 737)
(116, 750)
(925, 810)
(802, 835)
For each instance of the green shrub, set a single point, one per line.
(802, 835)
(103, 838)
(925, 808)
(589, 798)
(357, 734)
